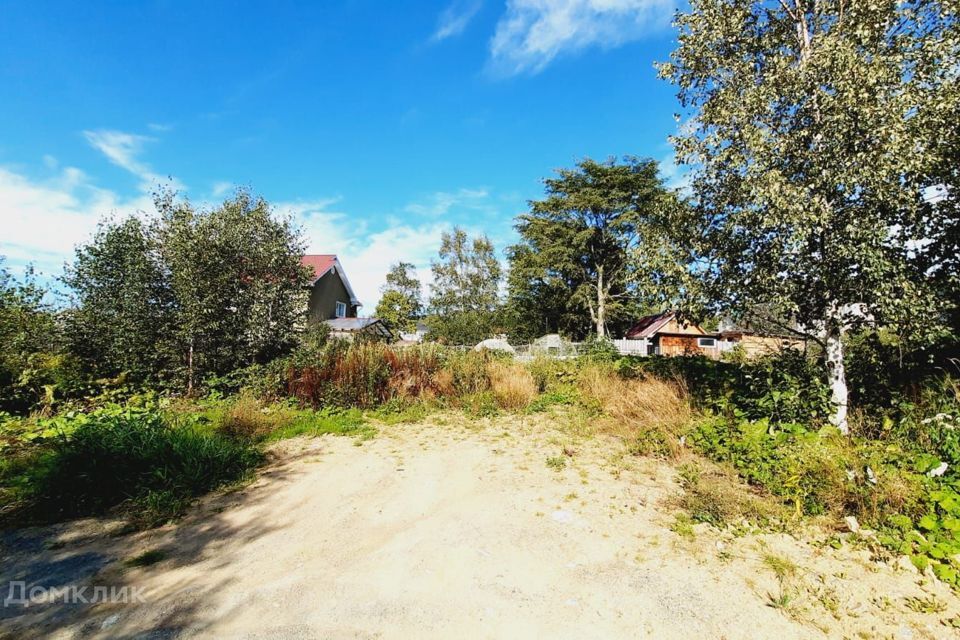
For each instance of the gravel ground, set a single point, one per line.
(452, 528)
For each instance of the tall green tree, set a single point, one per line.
(465, 292)
(29, 330)
(400, 303)
(189, 293)
(576, 266)
(236, 279)
(810, 134)
(121, 301)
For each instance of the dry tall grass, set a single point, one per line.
(247, 418)
(639, 408)
(512, 384)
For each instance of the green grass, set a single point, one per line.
(150, 463)
(130, 458)
(397, 412)
(565, 396)
(482, 404)
(557, 463)
(344, 422)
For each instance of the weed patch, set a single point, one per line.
(512, 385)
(650, 413)
(716, 496)
(129, 458)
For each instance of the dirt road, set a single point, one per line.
(457, 529)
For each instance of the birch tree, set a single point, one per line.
(810, 125)
(465, 292)
(401, 303)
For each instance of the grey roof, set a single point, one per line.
(351, 324)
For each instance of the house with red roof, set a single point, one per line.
(331, 295)
(332, 300)
(666, 335)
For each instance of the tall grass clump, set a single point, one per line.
(512, 385)
(370, 374)
(246, 418)
(650, 412)
(414, 373)
(367, 374)
(132, 458)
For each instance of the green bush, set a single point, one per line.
(468, 371)
(126, 456)
(816, 472)
(599, 348)
(884, 374)
(931, 539)
(785, 388)
(482, 404)
(551, 373)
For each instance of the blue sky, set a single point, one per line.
(377, 124)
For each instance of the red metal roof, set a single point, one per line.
(320, 263)
(648, 325)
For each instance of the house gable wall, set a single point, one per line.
(674, 326)
(324, 295)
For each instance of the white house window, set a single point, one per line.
(706, 342)
(341, 310)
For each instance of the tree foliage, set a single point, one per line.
(29, 341)
(400, 303)
(576, 266)
(122, 301)
(189, 293)
(810, 134)
(465, 295)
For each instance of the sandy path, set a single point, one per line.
(445, 531)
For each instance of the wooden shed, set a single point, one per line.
(668, 336)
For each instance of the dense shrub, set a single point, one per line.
(367, 375)
(131, 456)
(884, 374)
(599, 348)
(783, 388)
(816, 472)
(551, 374)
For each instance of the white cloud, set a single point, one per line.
(220, 189)
(442, 202)
(533, 32)
(366, 256)
(455, 18)
(123, 149)
(674, 175)
(44, 219)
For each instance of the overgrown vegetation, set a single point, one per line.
(817, 138)
(138, 458)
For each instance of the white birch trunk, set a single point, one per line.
(601, 298)
(836, 376)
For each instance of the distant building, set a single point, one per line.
(352, 328)
(417, 335)
(333, 301)
(667, 336)
(331, 295)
